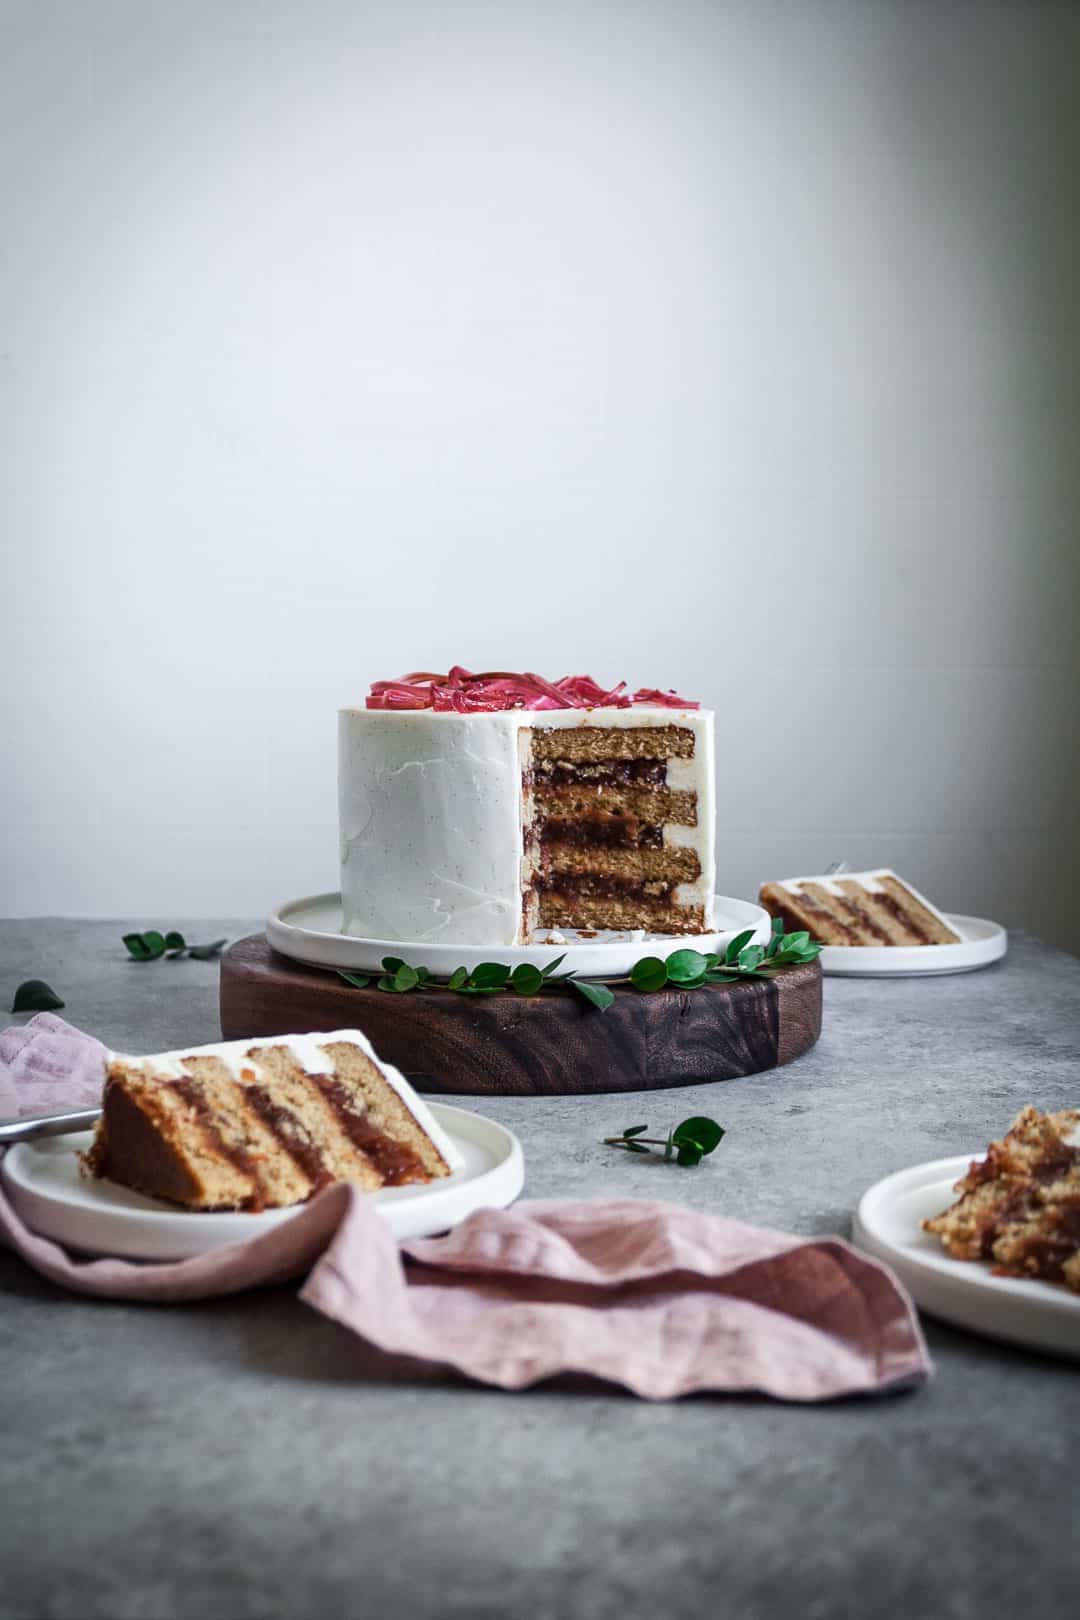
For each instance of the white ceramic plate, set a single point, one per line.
(309, 930)
(980, 944)
(1043, 1316)
(43, 1180)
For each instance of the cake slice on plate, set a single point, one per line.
(858, 908)
(1020, 1206)
(262, 1124)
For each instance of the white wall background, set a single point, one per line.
(730, 346)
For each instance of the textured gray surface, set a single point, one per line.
(248, 1458)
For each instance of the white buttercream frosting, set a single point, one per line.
(431, 817)
(309, 1052)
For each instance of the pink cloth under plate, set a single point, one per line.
(661, 1299)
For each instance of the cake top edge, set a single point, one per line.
(460, 691)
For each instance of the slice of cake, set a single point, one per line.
(478, 809)
(1020, 1206)
(858, 908)
(261, 1124)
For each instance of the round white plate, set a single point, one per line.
(309, 930)
(1043, 1316)
(980, 944)
(50, 1194)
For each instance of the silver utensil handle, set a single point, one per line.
(25, 1130)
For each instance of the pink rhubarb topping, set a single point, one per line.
(465, 693)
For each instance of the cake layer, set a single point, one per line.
(600, 742)
(266, 1124)
(628, 865)
(657, 806)
(659, 916)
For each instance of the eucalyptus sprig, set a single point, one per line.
(487, 979)
(686, 969)
(687, 1144)
(150, 946)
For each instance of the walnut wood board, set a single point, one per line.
(543, 1045)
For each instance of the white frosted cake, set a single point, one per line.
(475, 810)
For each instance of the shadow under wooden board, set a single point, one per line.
(547, 1045)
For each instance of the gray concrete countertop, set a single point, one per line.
(248, 1458)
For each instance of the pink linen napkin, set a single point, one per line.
(659, 1298)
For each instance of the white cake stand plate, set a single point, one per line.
(981, 942)
(309, 931)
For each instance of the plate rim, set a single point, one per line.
(508, 1170)
(880, 961)
(1029, 1311)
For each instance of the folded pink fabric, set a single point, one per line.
(658, 1298)
(46, 1066)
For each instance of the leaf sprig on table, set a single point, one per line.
(487, 979)
(150, 946)
(687, 1144)
(686, 970)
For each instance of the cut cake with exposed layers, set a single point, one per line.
(858, 908)
(263, 1124)
(481, 828)
(1020, 1206)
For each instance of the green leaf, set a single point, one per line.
(669, 1147)
(736, 945)
(649, 974)
(797, 941)
(137, 947)
(423, 975)
(688, 1153)
(154, 942)
(692, 984)
(549, 970)
(526, 979)
(360, 980)
(597, 995)
(633, 1147)
(406, 978)
(685, 965)
(458, 979)
(392, 963)
(174, 941)
(203, 953)
(720, 978)
(34, 995)
(751, 955)
(386, 983)
(635, 1130)
(489, 976)
(701, 1132)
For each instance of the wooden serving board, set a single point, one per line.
(533, 1045)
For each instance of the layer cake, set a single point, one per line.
(858, 908)
(482, 825)
(261, 1124)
